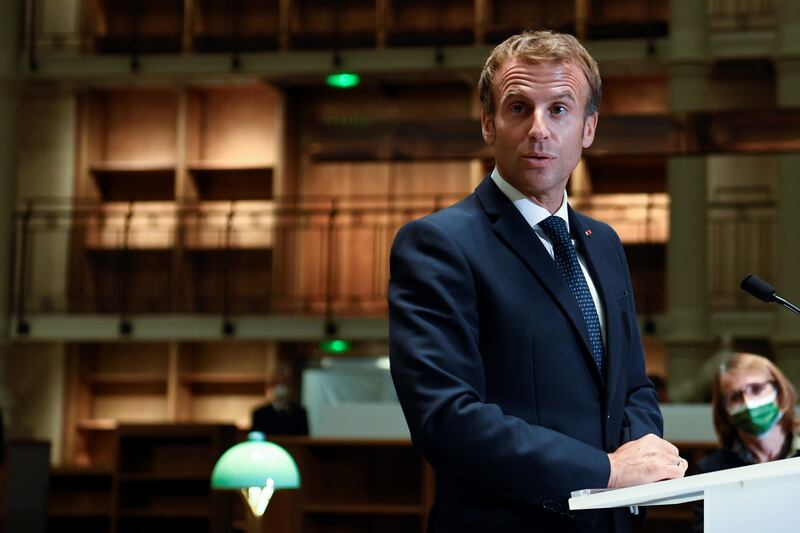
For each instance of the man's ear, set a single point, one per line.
(487, 128)
(589, 127)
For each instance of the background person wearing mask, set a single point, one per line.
(753, 407)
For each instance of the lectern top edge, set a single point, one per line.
(682, 490)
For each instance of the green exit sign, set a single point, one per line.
(343, 80)
(334, 346)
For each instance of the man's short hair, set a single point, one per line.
(540, 47)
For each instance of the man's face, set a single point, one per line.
(539, 129)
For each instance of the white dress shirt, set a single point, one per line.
(535, 213)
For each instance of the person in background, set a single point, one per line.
(753, 407)
(281, 416)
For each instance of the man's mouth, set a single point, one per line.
(539, 159)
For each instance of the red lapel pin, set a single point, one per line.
(588, 232)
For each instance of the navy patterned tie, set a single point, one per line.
(567, 260)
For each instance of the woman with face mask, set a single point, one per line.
(754, 417)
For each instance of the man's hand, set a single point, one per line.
(643, 461)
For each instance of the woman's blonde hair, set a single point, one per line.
(540, 47)
(787, 397)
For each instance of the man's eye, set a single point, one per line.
(517, 108)
(558, 110)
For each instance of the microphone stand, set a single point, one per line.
(788, 305)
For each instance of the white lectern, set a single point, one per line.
(762, 497)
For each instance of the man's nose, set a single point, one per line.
(539, 130)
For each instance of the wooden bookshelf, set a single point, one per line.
(121, 182)
(133, 26)
(127, 280)
(183, 180)
(621, 19)
(131, 131)
(112, 384)
(241, 25)
(163, 477)
(357, 485)
(79, 499)
(109, 383)
(228, 280)
(507, 17)
(218, 182)
(325, 24)
(421, 22)
(224, 381)
(231, 142)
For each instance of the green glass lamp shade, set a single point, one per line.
(255, 463)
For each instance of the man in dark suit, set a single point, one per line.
(513, 336)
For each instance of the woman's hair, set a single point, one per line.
(540, 47)
(787, 397)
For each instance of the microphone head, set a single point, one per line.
(759, 288)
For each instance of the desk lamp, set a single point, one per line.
(257, 469)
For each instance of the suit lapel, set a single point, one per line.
(605, 274)
(512, 229)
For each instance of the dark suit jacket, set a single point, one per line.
(493, 367)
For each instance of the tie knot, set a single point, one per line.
(555, 228)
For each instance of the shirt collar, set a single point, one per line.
(528, 208)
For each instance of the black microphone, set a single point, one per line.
(765, 292)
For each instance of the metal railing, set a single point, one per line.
(311, 256)
(297, 256)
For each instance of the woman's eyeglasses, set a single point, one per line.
(751, 391)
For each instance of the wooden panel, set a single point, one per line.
(620, 19)
(225, 406)
(233, 184)
(163, 479)
(237, 25)
(133, 126)
(323, 24)
(447, 178)
(506, 17)
(126, 382)
(232, 281)
(133, 281)
(631, 95)
(124, 357)
(79, 498)
(147, 184)
(421, 22)
(626, 175)
(346, 179)
(131, 407)
(222, 357)
(366, 105)
(233, 127)
(232, 142)
(142, 25)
